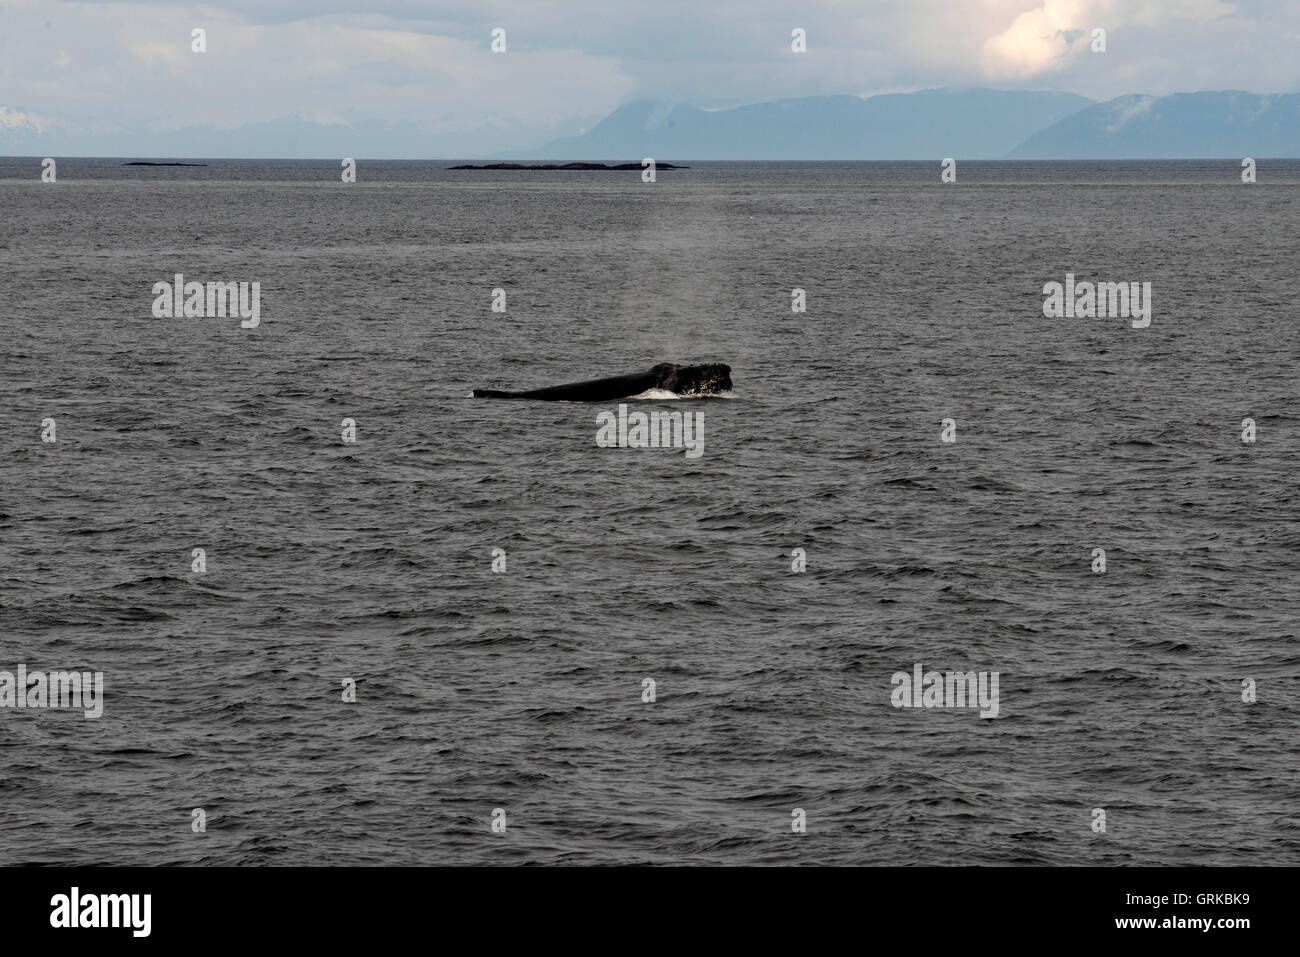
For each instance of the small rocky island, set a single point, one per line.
(577, 166)
(147, 163)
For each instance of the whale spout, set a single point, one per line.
(708, 379)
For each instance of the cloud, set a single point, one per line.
(1048, 37)
(1127, 110)
(133, 64)
(427, 66)
(1037, 40)
(17, 120)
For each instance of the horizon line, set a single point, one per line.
(534, 160)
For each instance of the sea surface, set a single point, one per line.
(484, 695)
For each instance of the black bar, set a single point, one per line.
(657, 907)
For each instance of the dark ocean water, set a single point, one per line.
(523, 690)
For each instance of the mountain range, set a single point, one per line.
(928, 124)
(1178, 126)
(974, 124)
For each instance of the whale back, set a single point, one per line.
(590, 390)
(683, 380)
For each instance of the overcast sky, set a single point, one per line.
(429, 65)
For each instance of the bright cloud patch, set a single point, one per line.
(1054, 33)
(15, 120)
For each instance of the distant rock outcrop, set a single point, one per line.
(578, 166)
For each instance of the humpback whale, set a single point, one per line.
(683, 380)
